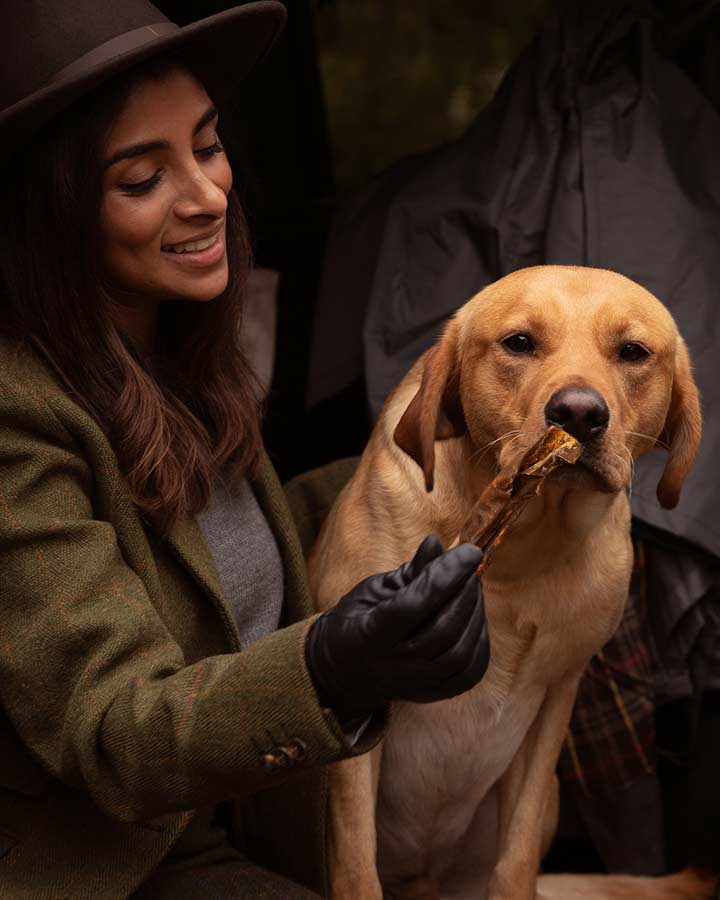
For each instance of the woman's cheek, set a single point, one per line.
(144, 223)
(136, 230)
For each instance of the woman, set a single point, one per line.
(168, 697)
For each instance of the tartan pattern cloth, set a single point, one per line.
(611, 741)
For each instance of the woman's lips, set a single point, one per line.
(198, 259)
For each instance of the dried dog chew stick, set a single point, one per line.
(507, 495)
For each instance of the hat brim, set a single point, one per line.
(228, 45)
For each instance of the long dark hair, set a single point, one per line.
(192, 413)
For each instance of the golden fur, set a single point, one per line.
(459, 798)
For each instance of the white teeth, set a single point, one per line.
(192, 245)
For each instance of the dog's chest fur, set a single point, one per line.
(442, 761)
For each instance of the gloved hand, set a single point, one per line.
(417, 633)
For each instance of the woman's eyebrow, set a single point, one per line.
(138, 149)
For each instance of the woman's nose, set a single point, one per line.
(201, 196)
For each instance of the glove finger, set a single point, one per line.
(410, 608)
(458, 657)
(428, 549)
(462, 681)
(443, 631)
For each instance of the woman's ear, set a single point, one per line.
(682, 429)
(435, 413)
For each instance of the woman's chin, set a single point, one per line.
(202, 293)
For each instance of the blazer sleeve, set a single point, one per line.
(92, 680)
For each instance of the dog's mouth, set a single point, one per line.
(600, 468)
(582, 476)
(595, 471)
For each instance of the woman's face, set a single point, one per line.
(165, 186)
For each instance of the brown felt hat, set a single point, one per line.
(55, 51)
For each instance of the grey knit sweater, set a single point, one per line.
(247, 559)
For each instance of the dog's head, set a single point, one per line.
(586, 349)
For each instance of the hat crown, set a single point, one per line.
(42, 37)
(57, 51)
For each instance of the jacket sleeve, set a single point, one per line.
(92, 680)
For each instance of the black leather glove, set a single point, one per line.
(417, 633)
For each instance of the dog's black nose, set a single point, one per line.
(581, 412)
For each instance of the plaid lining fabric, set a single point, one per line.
(683, 615)
(611, 740)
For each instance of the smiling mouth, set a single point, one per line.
(199, 254)
(192, 246)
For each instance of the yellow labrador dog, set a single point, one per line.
(458, 801)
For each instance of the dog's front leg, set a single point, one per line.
(525, 791)
(351, 841)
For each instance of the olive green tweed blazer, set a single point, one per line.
(124, 700)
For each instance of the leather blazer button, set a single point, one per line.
(295, 749)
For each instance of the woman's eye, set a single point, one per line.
(633, 352)
(141, 187)
(207, 152)
(519, 343)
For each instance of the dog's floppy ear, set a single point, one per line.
(435, 412)
(682, 429)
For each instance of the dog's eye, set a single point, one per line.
(519, 343)
(633, 352)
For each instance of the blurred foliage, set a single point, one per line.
(401, 76)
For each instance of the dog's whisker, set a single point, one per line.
(627, 459)
(497, 440)
(627, 452)
(519, 435)
(631, 460)
(622, 464)
(508, 436)
(648, 437)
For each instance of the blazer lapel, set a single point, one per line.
(187, 542)
(271, 497)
